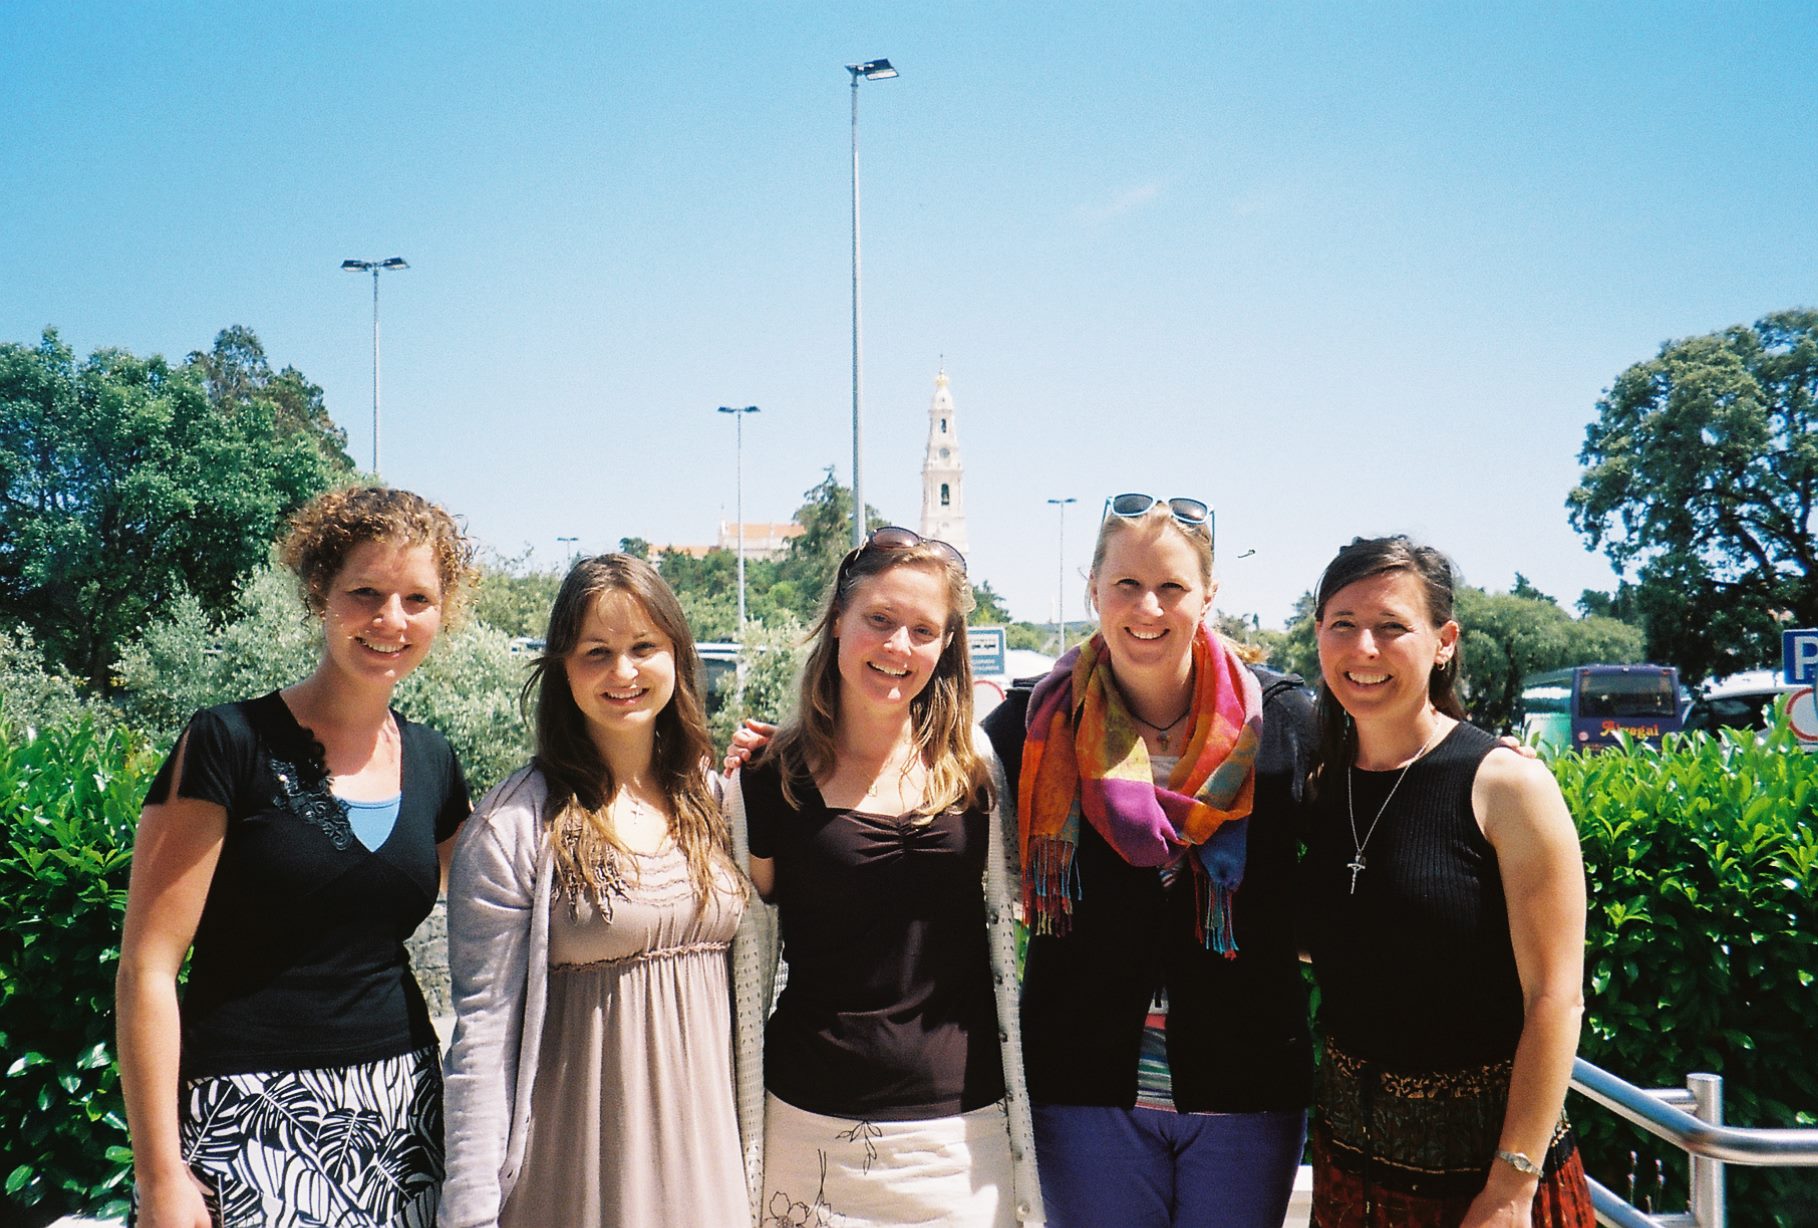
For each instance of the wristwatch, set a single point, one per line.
(1519, 1161)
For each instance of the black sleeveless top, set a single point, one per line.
(1416, 970)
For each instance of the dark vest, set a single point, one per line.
(1238, 1039)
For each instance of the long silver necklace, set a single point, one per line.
(1357, 863)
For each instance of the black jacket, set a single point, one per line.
(1238, 1039)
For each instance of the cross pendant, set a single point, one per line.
(1356, 868)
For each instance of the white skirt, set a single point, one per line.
(834, 1172)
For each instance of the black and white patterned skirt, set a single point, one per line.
(345, 1146)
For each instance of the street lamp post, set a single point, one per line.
(572, 549)
(738, 482)
(1060, 587)
(375, 267)
(870, 70)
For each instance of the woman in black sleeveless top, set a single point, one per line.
(1445, 901)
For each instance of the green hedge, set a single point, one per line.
(1702, 860)
(69, 800)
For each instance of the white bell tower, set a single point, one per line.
(943, 473)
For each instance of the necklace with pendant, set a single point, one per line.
(1357, 863)
(1164, 732)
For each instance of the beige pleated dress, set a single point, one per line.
(632, 1115)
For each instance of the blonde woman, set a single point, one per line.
(1160, 780)
(592, 906)
(892, 1066)
(294, 841)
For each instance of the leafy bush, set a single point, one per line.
(1702, 860)
(69, 800)
(467, 688)
(31, 693)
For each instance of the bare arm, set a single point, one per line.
(1523, 816)
(763, 876)
(174, 856)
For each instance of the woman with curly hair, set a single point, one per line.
(591, 910)
(891, 1063)
(294, 841)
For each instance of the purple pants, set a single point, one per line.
(1145, 1168)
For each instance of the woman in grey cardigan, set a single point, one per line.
(592, 909)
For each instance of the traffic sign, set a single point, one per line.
(987, 645)
(1802, 715)
(1799, 656)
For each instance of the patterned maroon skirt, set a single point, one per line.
(1399, 1150)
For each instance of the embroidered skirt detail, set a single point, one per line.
(1413, 1149)
(349, 1146)
(834, 1172)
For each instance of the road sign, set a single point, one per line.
(1799, 656)
(986, 644)
(1802, 715)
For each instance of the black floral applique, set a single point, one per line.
(304, 792)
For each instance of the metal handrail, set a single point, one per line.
(1753, 1145)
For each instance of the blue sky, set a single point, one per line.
(1336, 269)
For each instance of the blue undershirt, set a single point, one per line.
(372, 821)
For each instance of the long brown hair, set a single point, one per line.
(580, 783)
(940, 715)
(1364, 558)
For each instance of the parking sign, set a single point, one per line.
(1799, 653)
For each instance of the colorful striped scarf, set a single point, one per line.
(1085, 754)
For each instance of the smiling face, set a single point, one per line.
(1151, 595)
(622, 671)
(892, 629)
(382, 612)
(1378, 644)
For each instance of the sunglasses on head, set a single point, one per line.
(894, 537)
(1190, 512)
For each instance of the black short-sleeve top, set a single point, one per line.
(888, 1011)
(299, 959)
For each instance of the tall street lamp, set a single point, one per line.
(375, 267)
(573, 550)
(738, 416)
(871, 70)
(1060, 588)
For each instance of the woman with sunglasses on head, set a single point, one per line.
(293, 842)
(891, 1062)
(1445, 899)
(1159, 781)
(592, 903)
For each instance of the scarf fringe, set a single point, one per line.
(1216, 914)
(1050, 887)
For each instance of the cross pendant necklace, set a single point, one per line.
(1357, 863)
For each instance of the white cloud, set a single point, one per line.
(1127, 201)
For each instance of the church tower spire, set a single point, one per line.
(943, 473)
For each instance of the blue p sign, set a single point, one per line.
(1799, 650)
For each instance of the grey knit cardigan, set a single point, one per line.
(498, 958)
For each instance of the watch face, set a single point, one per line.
(1520, 1163)
(944, 454)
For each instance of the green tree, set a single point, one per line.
(989, 609)
(235, 371)
(1701, 473)
(514, 601)
(1507, 636)
(467, 688)
(122, 485)
(811, 559)
(32, 696)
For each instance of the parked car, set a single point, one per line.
(1741, 701)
